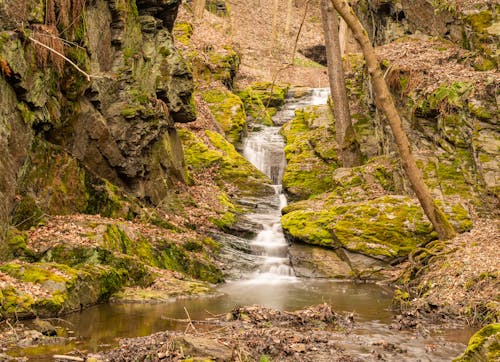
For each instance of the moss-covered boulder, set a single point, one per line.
(484, 345)
(310, 153)
(47, 289)
(228, 111)
(262, 100)
(232, 169)
(384, 228)
(214, 64)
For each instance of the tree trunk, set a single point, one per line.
(385, 103)
(288, 17)
(198, 8)
(346, 139)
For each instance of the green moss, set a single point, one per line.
(271, 95)
(107, 200)
(309, 227)
(386, 227)
(479, 111)
(27, 213)
(311, 156)
(224, 64)
(14, 303)
(231, 167)
(484, 345)
(182, 32)
(306, 63)
(229, 112)
(116, 239)
(255, 109)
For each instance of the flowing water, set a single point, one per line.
(265, 277)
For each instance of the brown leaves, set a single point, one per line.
(4, 67)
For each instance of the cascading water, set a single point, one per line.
(264, 148)
(272, 285)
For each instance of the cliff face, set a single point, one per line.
(64, 135)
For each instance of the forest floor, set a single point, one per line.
(458, 279)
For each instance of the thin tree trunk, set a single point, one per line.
(198, 8)
(288, 17)
(385, 103)
(274, 30)
(349, 148)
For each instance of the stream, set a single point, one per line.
(261, 274)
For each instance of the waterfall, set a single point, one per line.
(264, 149)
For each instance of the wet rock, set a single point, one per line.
(315, 262)
(483, 345)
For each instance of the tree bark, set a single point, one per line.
(385, 103)
(198, 8)
(349, 148)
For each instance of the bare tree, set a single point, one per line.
(385, 103)
(349, 147)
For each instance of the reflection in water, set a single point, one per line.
(99, 327)
(104, 323)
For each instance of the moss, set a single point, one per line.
(14, 303)
(255, 109)
(228, 111)
(311, 156)
(225, 221)
(231, 167)
(116, 239)
(182, 32)
(386, 227)
(479, 110)
(177, 258)
(27, 213)
(271, 95)
(484, 345)
(224, 64)
(306, 63)
(107, 200)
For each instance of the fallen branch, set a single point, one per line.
(88, 76)
(68, 358)
(190, 322)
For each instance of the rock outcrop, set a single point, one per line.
(116, 125)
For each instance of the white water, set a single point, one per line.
(264, 148)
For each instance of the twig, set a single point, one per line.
(11, 327)
(72, 43)
(190, 322)
(62, 56)
(299, 31)
(68, 358)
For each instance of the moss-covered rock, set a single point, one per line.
(218, 64)
(484, 345)
(232, 168)
(61, 289)
(229, 112)
(385, 228)
(261, 101)
(182, 32)
(310, 152)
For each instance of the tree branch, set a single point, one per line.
(88, 76)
